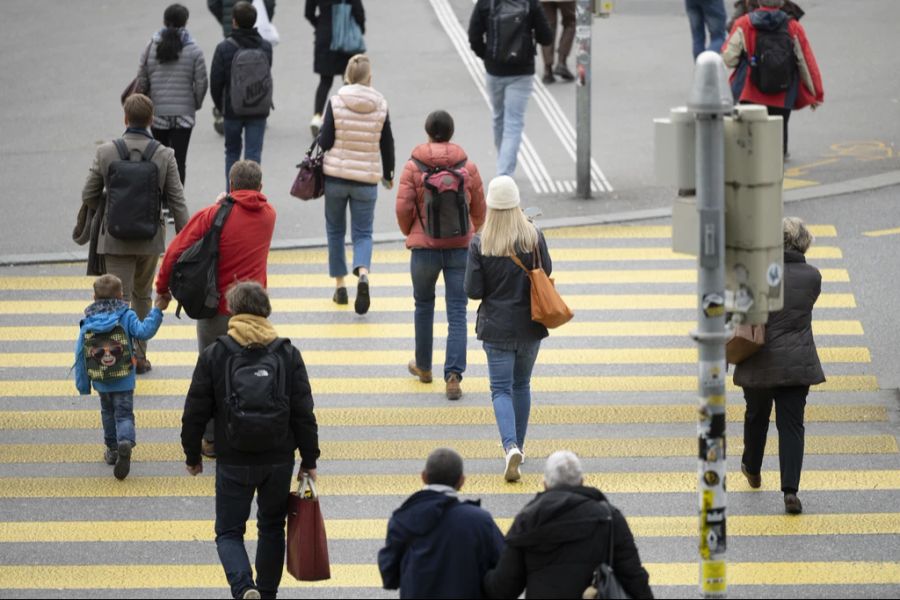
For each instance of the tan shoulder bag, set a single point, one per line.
(547, 306)
(746, 341)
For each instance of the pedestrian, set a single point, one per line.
(263, 374)
(782, 371)
(243, 252)
(509, 62)
(703, 16)
(103, 359)
(773, 63)
(243, 97)
(462, 207)
(510, 338)
(359, 151)
(437, 545)
(566, 12)
(328, 63)
(174, 71)
(133, 257)
(742, 7)
(223, 11)
(559, 539)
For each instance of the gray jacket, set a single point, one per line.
(789, 356)
(169, 185)
(176, 88)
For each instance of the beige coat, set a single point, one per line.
(359, 113)
(169, 185)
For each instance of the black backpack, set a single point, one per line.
(510, 39)
(250, 88)
(774, 64)
(257, 407)
(195, 276)
(446, 207)
(132, 194)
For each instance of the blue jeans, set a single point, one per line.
(361, 198)
(252, 131)
(509, 369)
(425, 265)
(509, 98)
(706, 14)
(117, 413)
(235, 486)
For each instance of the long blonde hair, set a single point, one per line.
(506, 232)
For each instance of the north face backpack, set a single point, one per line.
(251, 82)
(257, 408)
(107, 355)
(132, 194)
(446, 207)
(509, 35)
(195, 276)
(773, 64)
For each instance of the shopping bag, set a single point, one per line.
(309, 183)
(346, 34)
(264, 26)
(746, 341)
(547, 306)
(307, 546)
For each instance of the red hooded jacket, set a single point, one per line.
(243, 246)
(412, 192)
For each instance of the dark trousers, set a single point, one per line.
(177, 140)
(235, 486)
(567, 11)
(325, 82)
(790, 402)
(785, 114)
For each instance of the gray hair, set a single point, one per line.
(444, 467)
(245, 175)
(563, 468)
(796, 236)
(248, 298)
(771, 3)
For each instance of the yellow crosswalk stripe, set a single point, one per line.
(393, 449)
(476, 484)
(646, 232)
(374, 529)
(541, 414)
(548, 356)
(409, 385)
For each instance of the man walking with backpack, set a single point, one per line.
(503, 33)
(256, 385)
(241, 86)
(126, 184)
(440, 205)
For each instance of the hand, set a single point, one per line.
(387, 183)
(310, 472)
(814, 106)
(162, 301)
(221, 197)
(195, 470)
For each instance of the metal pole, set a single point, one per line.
(583, 98)
(710, 100)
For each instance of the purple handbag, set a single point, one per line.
(309, 183)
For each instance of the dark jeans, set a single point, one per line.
(567, 12)
(177, 140)
(325, 83)
(117, 414)
(246, 133)
(790, 402)
(235, 486)
(425, 266)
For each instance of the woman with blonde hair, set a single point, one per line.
(359, 151)
(510, 338)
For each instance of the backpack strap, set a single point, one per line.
(122, 149)
(150, 150)
(233, 42)
(216, 231)
(232, 346)
(611, 538)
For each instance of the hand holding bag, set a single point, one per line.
(547, 306)
(746, 341)
(307, 546)
(309, 183)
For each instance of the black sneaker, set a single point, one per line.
(361, 306)
(563, 71)
(123, 460)
(548, 77)
(340, 296)
(110, 456)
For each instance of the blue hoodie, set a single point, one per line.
(102, 316)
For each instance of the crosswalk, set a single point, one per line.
(617, 386)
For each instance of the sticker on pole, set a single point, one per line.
(713, 305)
(712, 578)
(774, 274)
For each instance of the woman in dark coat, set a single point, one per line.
(783, 370)
(327, 64)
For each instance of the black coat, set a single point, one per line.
(220, 71)
(539, 31)
(318, 12)
(558, 540)
(505, 293)
(789, 356)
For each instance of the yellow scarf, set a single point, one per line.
(251, 329)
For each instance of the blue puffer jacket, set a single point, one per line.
(102, 316)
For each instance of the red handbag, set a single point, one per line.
(310, 181)
(307, 546)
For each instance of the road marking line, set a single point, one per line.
(882, 232)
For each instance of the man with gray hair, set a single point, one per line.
(559, 539)
(438, 546)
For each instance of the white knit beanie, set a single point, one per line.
(503, 193)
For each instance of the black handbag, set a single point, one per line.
(604, 584)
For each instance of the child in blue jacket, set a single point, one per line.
(104, 357)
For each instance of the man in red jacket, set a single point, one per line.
(243, 251)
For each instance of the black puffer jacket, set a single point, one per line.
(558, 540)
(789, 356)
(505, 293)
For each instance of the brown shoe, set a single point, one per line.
(423, 375)
(792, 505)
(142, 365)
(453, 390)
(755, 481)
(207, 449)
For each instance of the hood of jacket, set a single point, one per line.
(437, 154)
(251, 329)
(103, 315)
(249, 199)
(362, 99)
(247, 38)
(422, 512)
(768, 19)
(558, 516)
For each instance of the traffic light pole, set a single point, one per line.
(583, 98)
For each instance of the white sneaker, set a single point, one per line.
(513, 460)
(250, 594)
(315, 124)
